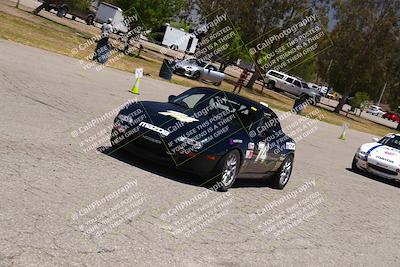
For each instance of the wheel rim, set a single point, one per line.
(285, 172)
(229, 172)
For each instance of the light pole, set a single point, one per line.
(383, 91)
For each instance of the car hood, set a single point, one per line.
(171, 117)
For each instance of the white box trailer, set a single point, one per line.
(106, 11)
(180, 40)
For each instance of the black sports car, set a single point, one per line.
(210, 133)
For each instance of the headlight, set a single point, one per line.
(361, 154)
(125, 118)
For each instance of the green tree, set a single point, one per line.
(362, 46)
(360, 101)
(153, 13)
(254, 18)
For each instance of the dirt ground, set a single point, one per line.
(58, 201)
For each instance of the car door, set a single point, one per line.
(264, 157)
(211, 73)
(296, 88)
(288, 85)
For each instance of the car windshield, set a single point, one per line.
(195, 99)
(392, 141)
(188, 100)
(246, 114)
(201, 63)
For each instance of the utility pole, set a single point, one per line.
(380, 98)
(17, 5)
(327, 71)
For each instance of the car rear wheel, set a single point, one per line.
(228, 170)
(282, 176)
(89, 20)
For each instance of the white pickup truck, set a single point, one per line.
(279, 81)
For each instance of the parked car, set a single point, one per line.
(382, 157)
(73, 7)
(279, 81)
(324, 90)
(316, 87)
(392, 116)
(208, 132)
(375, 110)
(197, 69)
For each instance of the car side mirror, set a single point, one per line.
(375, 139)
(171, 98)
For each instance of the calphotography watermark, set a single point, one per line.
(289, 211)
(284, 49)
(94, 134)
(110, 211)
(197, 213)
(119, 44)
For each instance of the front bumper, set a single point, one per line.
(149, 146)
(375, 169)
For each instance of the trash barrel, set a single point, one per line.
(166, 70)
(61, 12)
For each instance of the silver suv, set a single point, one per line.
(279, 81)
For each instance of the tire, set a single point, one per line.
(354, 165)
(89, 20)
(73, 17)
(196, 75)
(282, 176)
(271, 86)
(217, 84)
(227, 170)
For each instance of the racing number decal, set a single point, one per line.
(262, 154)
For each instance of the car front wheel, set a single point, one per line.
(354, 165)
(271, 86)
(283, 174)
(196, 75)
(228, 170)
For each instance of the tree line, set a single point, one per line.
(364, 57)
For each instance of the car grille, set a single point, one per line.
(380, 169)
(151, 147)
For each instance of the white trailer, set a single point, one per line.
(178, 39)
(106, 11)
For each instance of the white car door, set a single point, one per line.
(287, 84)
(296, 88)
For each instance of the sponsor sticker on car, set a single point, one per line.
(290, 146)
(250, 146)
(154, 128)
(249, 154)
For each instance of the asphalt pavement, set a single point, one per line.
(60, 200)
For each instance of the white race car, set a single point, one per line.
(381, 157)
